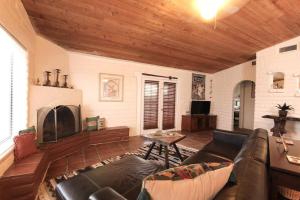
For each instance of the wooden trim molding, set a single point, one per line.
(6, 160)
(32, 169)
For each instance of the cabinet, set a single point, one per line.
(192, 123)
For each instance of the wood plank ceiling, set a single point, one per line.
(163, 32)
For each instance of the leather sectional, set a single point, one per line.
(123, 179)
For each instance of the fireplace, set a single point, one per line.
(58, 122)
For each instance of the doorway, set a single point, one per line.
(158, 104)
(243, 106)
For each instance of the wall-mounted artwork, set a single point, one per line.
(111, 87)
(198, 87)
(278, 80)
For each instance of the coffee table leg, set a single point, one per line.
(167, 157)
(160, 149)
(149, 151)
(178, 152)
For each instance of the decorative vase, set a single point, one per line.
(65, 85)
(56, 84)
(283, 113)
(47, 82)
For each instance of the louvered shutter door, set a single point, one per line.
(151, 92)
(169, 102)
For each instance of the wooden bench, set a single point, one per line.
(109, 135)
(21, 181)
(23, 178)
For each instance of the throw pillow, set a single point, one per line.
(196, 181)
(28, 130)
(101, 123)
(92, 123)
(25, 145)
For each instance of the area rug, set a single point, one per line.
(47, 189)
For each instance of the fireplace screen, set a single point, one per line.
(58, 122)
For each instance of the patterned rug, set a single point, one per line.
(47, 189)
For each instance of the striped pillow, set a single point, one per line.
(28, 130)
(92, 123)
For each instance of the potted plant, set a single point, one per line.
(283, 109)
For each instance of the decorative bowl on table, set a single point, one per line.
(158, 133)
(171, 133)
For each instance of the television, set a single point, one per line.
(200, 107)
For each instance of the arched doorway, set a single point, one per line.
(243, 106)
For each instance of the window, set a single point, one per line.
(13, 87)
(159, 102)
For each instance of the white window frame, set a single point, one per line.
(20, 88)
(160, 114)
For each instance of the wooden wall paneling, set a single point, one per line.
(164, 32)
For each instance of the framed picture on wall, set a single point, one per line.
(198, 87)
(111, 87)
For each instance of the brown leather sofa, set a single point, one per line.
(250, 155)
(122, 179)
(124, 176)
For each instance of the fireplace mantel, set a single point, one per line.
(41, 96)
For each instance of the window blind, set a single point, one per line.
(13, 87)
(151, 100)
(169, 102)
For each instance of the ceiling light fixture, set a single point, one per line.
(209, 9)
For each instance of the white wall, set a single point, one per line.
(224, 83)
(14, 19)
(268, 61)
(42, 54)
(51, 97)
(48, 57)
(85, 70)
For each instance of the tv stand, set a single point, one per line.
(192, 123)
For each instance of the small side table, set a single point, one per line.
(282, 172)
(279, 123)
(164, 141)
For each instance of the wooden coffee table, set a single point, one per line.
(282, 172)
(164, 141)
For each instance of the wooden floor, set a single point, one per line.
(96, 153)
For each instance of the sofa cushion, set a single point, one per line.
(222, 149)
(106, 193)
(259, 133)
(234, 138)
(196, 181)
(251, 182)
(255, 148)
(77, 188)
(124, 176)
(202, 156)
